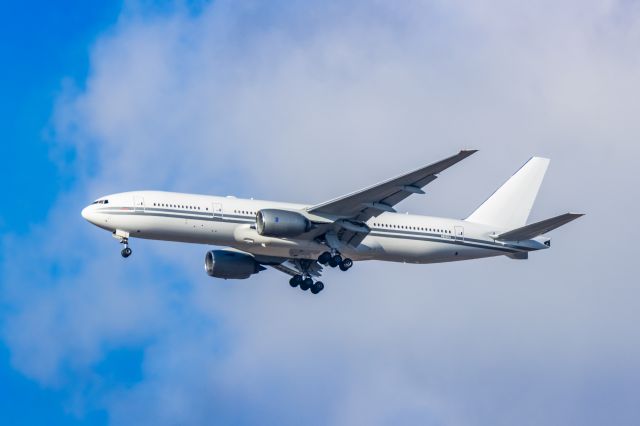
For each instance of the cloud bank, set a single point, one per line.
(300, 102)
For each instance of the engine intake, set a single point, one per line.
(230, 265)
(281, 223)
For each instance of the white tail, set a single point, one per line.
(510, 205)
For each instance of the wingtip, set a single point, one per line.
(468, 151)
(538, 157)
(574, 216)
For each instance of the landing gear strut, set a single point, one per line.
(123, 238)
(126, 251)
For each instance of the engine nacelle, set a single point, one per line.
(230, 265)
(281, 223)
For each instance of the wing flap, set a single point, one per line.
(285, 269)
(533, 230)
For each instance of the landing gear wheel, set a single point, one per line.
(306, 284)
(346, 264)
(317, 287)
(324, 258)
(126, 252)
(335, 261)
(295, 281)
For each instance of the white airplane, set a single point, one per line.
(298, 239)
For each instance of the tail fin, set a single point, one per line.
(510, 205)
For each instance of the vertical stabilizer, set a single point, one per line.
(510, 205)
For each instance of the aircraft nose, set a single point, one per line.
(85, 213)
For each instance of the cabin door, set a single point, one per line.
(458, 232)
(138, 204)
(216, 210)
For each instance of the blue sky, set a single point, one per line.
(305, 101)
(43, 44)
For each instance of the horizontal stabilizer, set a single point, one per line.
(533, 230)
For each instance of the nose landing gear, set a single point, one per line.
(123, 238)
(126, 252)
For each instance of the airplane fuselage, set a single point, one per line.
(231, 222)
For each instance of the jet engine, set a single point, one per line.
(230, 265)
(281, 223)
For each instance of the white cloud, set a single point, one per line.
(305, 103)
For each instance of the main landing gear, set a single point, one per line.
(306, 283)
(306, 268)
(334, 259)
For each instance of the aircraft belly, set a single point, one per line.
(239, 236)
(174, 229)
(421, 251)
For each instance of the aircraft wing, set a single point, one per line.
(359, 206)
(374, 200)
(533, 230)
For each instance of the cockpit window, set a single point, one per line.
(101, 202)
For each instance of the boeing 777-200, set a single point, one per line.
(300, 239)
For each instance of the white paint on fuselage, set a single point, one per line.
(230, 221)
